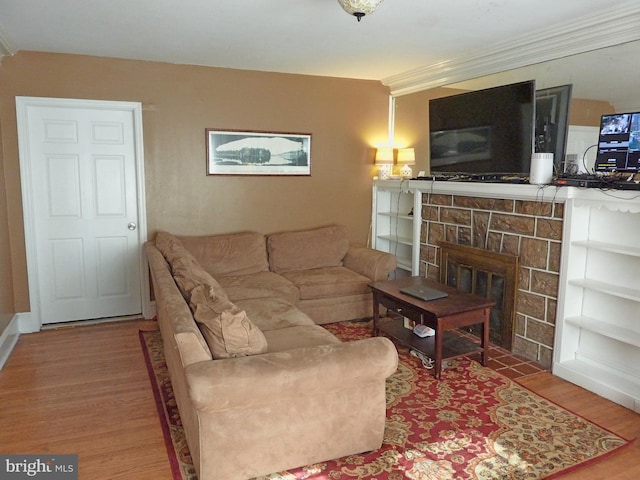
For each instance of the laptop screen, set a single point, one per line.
(619, 143)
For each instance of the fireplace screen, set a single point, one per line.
(488, 274)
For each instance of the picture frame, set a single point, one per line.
(231, 152)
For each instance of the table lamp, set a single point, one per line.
(384, 159)
(406, 157)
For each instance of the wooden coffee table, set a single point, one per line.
(457, 310)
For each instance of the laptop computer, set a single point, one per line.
(423, 293)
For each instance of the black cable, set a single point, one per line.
(584, 157)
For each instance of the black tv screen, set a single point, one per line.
(487, 131)
(619, 143)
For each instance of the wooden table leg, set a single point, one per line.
(438, 347)
(376, 314)
(485, 337)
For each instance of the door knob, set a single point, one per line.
(132, 226)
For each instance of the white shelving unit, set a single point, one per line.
(393, 222)
(597, 344)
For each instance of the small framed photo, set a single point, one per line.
(257, 153)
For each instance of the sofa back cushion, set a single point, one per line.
(185, 269)
(226, 328)
(230, 254)
(308, 249)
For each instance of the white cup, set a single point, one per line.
(541, 169)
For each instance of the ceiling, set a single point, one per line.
(314, 37)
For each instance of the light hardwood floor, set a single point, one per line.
(85, 390)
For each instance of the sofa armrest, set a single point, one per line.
(371, 263)
(250, 382)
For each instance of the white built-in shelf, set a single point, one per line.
(597, 344)
(610, 383)
(606, 329)
(396, 215)
(392, 221)
(404, 263)
(397, 239)
(608, 247)
(608, 288)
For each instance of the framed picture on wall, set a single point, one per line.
(257, 153)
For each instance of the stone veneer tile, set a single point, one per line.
(520, 325)
(495, 204)
(540, 332)
(451, 233)
(526, 207)
(433, 272)
(511, 245)
(494, 242)
(513, 224)
(530, 304)
(558, 210)
(534, 252)
(525, 347)
(479, 223)
(524, 278)
(545, 356)
(548, 228)
(554, 257)
(438, 199)
(457, 216)
(423, 232)
(552, 305)
(464, 236)
(429, 212)
(435, 233)
(545, 283)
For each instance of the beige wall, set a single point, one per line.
(412, 122)
(345, 117)
(6, 285)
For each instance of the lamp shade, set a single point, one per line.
(384, 156)
(406, 156)
(359, 8)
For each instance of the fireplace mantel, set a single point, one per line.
(513, 191)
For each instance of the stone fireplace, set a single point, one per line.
(530, 231)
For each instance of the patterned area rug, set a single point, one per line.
(472, 424)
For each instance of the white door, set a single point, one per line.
(80, 162)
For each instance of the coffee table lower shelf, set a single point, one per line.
(453, 344)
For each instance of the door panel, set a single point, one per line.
(84, 195)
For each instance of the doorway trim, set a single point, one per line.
(32, 321)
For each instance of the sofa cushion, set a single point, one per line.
(308, 249)
(328, 282)
(273, 313)
(230, 254)
(225, 327)
(300, 336)
(259, 285)
(185, 269)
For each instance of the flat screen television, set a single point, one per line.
(487, 131)
(619, 143)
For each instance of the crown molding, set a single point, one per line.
(592, 32)
(6, 47)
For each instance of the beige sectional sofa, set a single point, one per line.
(260, 386)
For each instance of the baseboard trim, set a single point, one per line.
(151, 310)
(8, 340)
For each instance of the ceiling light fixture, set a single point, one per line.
(359, 8)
